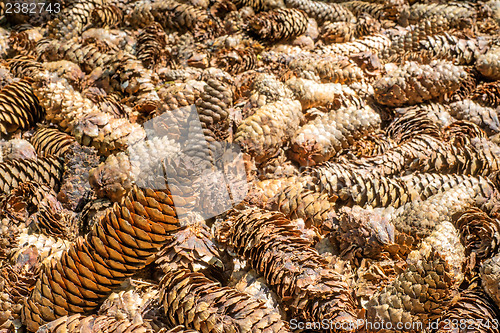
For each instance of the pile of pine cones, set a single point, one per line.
(359, 143)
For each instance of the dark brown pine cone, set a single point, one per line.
(279, 24)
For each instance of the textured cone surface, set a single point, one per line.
(123, 241)
(330, 69)
(79, 323)
(488, 64)
(458, 14)
(487, 94)
(74, 18)
(45, 170)
(296, 272)
(263, 133)
(279, 24)
(321, 11)
(151, 41)
(479, 233)
(51, 142)
(107, 16)
(414, 83)
(490, 276)
(192, 300)
(483, 116)
(472, 307)
(19, 107)
(35, 205)
(325, 137)
(424, 288)
(75, 184)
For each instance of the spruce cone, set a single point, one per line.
(44, 170)
(120, 244)
(422, 291)
(213, 107)
(326, 136)
(490, 276)
(414, 83)
(79, 323)
(487, 94)
(192, 300)
(459, 15)
(263, 133)
(445, 46)
(483, 116)
(51, 142)
(330, 95)
(35, 205)
(473, 310)
(480, 234)
(279, 24)
(73, 18)
(151, 42)
(298, 274)
(374, 44)
(193, 249)
(268, 89)
(107, 103)
(488, 64)
(321, 11)
(75, 186)
(19, 107)
(342, 32)
(107, 16)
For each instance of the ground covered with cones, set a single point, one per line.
(357, 150)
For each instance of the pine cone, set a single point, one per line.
(298, 274)
(342, 32)
(45, 170)
(106, 16)
(479, 233)
(19, 107)
(151, 43)
(79, 323)
(326, 136)
(421, 292)
(263, 133)
(488, 64)
(411, 124)
(192, 300)
(51, 142)
(213, 106)
(193, 249)
(35, 206)
(490, 276)
(268, 89)
(321, 11)
(330, 95)
(374, 44)
(483, 116)
(75, 186)
(414, 83)
(102, 260)
(438, 112)
(109, 103)
(487, 94)
(73, 18)
(474, 310)
(459, 15)
(279, 24)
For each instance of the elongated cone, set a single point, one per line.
(473, 309)
(19, 107)
(151, 42)
(75, 186)
(192, 300)
(458, 14)
(45, 170)
(326, 136)
(414, 83)
(479, 233)
(425, 288)
(321, 11)
(483, 116)
(123, 241)
(108, 16)
(488, 64)
(72, 19)
(417, 220)
(279, 24)
(51, 141)
(490, 276)
(308, 289)
(263, 133)
(78, 323)
(373, 44)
